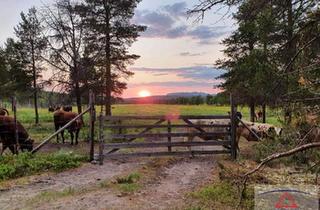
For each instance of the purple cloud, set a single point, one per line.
(169, 22)
(203, 73)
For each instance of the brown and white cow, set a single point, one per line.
(7, 134)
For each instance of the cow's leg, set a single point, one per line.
(12, 148)
(56, 126)
(72, 137)
(62, 135)
(77, 135)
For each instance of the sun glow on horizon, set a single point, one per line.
(144, 93)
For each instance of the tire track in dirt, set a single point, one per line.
(86, 175)
(167, 190)
(175, 182)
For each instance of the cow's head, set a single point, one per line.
(274, 131)
(54, 108)
(27, 145)
(4, 112)
(67, 108)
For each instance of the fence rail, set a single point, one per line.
(166, 144)
(163, 135)
(166, 117)
(166, 126)
(159, 154)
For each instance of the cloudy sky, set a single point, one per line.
(177, 54)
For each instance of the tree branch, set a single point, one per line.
(283, 154)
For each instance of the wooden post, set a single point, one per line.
(92, 120)
(264, 113)
(233, 128)
(169, 137)
(120, 129)
(101, 138)
(16, 134)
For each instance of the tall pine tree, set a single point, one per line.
(29, 33)
(110, 34)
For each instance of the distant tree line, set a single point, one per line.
(219, 99)
(83, 43)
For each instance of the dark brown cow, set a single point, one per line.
(7, 134)
(61, 118)
(67, 108)
(4, 112)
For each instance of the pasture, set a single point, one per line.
(206, 182)
(26, 115)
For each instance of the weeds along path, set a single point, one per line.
(165, 183)
(17, 197)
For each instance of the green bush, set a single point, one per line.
(13, 166)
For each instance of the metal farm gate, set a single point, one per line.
(172, 135)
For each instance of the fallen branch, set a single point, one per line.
(274, 157)
(283, 154)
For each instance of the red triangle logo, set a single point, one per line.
(286, 201)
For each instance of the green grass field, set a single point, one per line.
(26, 115)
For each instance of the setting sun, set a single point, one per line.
(144, 93)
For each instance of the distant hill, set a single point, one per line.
(188, 94)
(161, 99)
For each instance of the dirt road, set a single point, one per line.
(164, 186)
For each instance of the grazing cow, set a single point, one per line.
(214, 129)
(7, 134)
(61, 118)
(4, 112)
(242, 131)
(67, 108)
(53, 108)
(266, 130)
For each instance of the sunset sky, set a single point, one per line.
(177, 54)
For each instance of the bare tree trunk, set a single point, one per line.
(291, 51)
(252, 112)
(78, 98)
(35, 93)
(264, 113)
(76, 67)
(108, 79)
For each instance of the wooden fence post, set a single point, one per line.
(120, 129)
(101, 138)
(233, 119)
(92, 120)
(16, 134)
